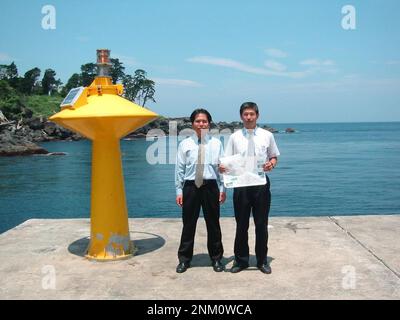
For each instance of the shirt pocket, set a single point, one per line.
(191, 156)
(262, 150)
(212, 156)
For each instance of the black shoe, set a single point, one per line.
(265, 268)
(218, 266)
(237, 268)
(182, 267)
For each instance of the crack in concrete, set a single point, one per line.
(364, 246)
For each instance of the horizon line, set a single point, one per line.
(311, 122)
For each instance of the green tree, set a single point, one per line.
(88, 73)
(130, 89)
(147, 91)
(73, 82)
(133, 85)
(6, 91)
(10, 102)
(117, 70)
(49, 82)
(10, 74)
(29, 80)
(3, 72)
(138, 88)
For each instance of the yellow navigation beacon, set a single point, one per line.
(99, 113)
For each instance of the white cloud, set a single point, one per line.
(276, 53)
(393, 62)
(233, 64)
(274, 65)
(320, 66)
(387, 62)
(128, 61)
(317, 62)
(224, 62)
(348, 83)
(176, 82)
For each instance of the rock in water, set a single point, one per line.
(56, 154)
(17, 146)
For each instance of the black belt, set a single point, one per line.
(205, 181)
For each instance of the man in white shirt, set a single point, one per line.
(254, 143)
(198, 185)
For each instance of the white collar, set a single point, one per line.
(246, 131)
(196, 139)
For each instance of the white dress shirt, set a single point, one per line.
(264, 142)
(186, 160)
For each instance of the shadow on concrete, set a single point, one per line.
(252, 262)
(148, 243)
(203, 260)
(79, 247)
(200, 260)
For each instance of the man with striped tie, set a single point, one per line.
(198, 185)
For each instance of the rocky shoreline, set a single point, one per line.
(20, 137)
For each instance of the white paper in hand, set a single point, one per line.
(238, 176)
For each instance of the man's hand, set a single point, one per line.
(222, 169)
(269, 165)
(222, 197)
(179, 200)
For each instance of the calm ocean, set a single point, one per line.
(324, 169)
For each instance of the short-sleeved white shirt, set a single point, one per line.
(264, 141)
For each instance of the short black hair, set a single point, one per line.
(249, 105)
(198, 111)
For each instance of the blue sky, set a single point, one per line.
(291, 57)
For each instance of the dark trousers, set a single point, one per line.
(255, 199)
(206, 197)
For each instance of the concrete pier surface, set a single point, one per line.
(343, 257)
